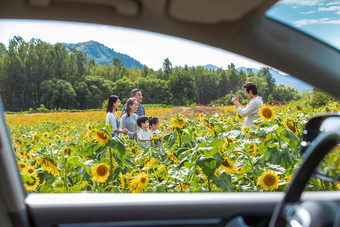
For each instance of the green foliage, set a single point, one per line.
(35, 72)
(320, 98)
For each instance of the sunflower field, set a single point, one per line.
(73, 152)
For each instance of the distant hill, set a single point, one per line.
(211, 67)
(102, 54)
(286, 80)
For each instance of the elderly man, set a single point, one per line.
(250, 113)
(136, 93)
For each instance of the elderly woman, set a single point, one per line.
(129, 118)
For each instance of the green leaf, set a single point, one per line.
(223, 182)
(274, 156)
(75, 161)
(179, 174)
(208, 165)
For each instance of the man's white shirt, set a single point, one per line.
(250, 113)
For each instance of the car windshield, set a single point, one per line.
(195, 118)
(318, 18)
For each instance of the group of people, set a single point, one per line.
(138, 127)
(134, 123)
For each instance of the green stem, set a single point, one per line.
(278, 139)
(209, 187)
(65, 174)
(111, 163)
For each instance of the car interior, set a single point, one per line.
(240, 27)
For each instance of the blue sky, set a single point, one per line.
(317, 17)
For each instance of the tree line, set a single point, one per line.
(35, 72)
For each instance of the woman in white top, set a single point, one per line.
(111, 115)
(129, 118)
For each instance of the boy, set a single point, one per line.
(143, 136)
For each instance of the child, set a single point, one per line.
(154, 125)
(143, 135)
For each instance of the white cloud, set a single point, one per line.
(304, 22)
(338, 12)
(334, 3)
(332, 8)
(301, 2)
(309, 12)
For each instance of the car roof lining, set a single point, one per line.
(211, 12)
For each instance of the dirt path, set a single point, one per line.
(191, 112)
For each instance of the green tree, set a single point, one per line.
(182, 86)
(58, 94)
(167, 68)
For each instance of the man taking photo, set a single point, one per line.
(249, 113)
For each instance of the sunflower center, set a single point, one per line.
(22, 166)
(102, 170)
(226, 164)
(269, 180)
(291, 126)
(30, 171)
(102, 135)
(143, 180)
(267, 113)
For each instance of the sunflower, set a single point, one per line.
(228, 166)
(122, 180)
(288, 178)
(89, 127)
(338, 186)
(266, 113)
(291, 126)
(21, 154)
(63, 127)
(268, 180)
(231, 141)
(247, 131)
(22, 165)
(100, 172)
(172, 157)
(32, 184)
(155, 139)
(35, 137)
(184, 187)
(298, 107)
(101, 136)
(179, 123)
(139, 182)
(17, 143)
(57, 137)
(336, 105)
(253, 148)
(30, 169)
(330, 102)
(48, 165)
(46, 134)
(126, 138)
(65, 151)
(65, 137)
(238, 116)
(148, 162)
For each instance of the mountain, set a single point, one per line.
(102, 54)
(285, 80)
(211, 67)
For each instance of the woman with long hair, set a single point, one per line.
(129, 118)
(111, 115)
